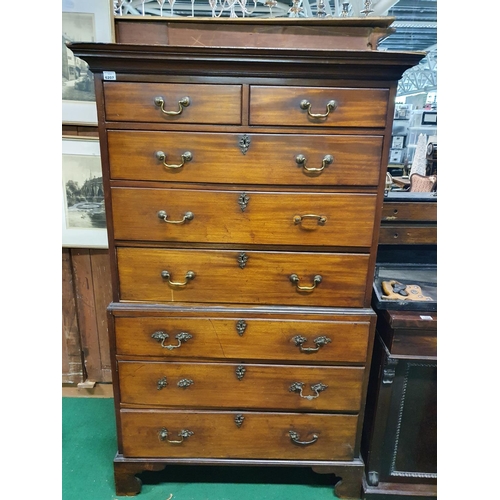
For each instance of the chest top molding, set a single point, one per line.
(250, 62)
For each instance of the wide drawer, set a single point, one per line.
(252, 277)
(289, 436)
(138, 102)
(411, 211)
(408, 234)
(296, 106)
(245, 159)
(202, 216)
(242, 339)
(237, 386)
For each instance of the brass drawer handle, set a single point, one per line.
(295, 280)
(319, 341)
(189, 276)
(163, 216)
(183, 383)
(294, 436)
(161, 336)
(331, 105)
(297, 219)
(183, 103)
(161, 156)
(183, 434)
(302, 162)
(299, 387)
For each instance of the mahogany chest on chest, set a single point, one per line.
(244, 189)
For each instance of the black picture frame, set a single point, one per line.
(429, 118)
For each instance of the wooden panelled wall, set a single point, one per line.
(86, 293)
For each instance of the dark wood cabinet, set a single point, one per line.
(399, 443)
(243, 191)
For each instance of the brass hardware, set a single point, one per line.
(242, 259)
(295, 280)
(189, 276)
(294, 436)
(241, 326)
(183, 434)
(238, 420)
(244, 143)
(297, 219)
(319, 341)
(299, 386)
(162, 383)
(184, 383)
(330, 106)
(161, 336)
(161, 156)
(240, 372)
(243, 200)
(302, 162)
(163, 216)
(183, 103)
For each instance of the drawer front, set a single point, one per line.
(137, 102)
(266, 277)
(243, 339)
(411, 211)
(283, 106)
(250, 435)
(236, 386)
(408, 234)
(314, 219)
(245, 159)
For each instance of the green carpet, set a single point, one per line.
(89, 446)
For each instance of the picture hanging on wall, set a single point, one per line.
(83, 212)
(82, 21)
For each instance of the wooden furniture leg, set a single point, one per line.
(349, 480)
(126, 481)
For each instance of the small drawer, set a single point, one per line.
(267, 218)
(318, 106)
(245, 435)
(172, 103)
(250, 338)
(408, 234)
(238, 386)
(243, 277)
(410, 211)
(245, 158)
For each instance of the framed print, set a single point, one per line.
(398, 142)
(429, 118)
(82, 21)
(83, 212)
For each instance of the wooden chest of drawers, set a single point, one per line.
(243, 198)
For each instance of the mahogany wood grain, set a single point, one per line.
(269, 218)
(136, 102)
(281, 106)
(261, 339)
(260, 386)
(264, 280)
(270, 158)
(216, 435)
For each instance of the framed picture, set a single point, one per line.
(398, 142)
(83, 212)
(82, 21)
(429, 118)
